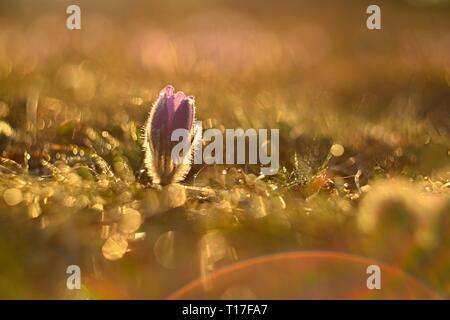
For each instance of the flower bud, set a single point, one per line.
(170, 112)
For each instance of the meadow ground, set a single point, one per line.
(364, 141)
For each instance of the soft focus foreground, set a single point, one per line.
(364, 146)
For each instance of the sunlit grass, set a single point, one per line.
(364, 149)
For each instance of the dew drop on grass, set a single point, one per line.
(13, 196)
(337, 150)
(130, 220)
(115, 247)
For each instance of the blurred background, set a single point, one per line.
(364, 144)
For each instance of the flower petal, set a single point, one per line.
(160, 115)
(184, 115)
(179, 97)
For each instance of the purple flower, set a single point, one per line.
(170, 112)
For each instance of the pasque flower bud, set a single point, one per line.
(170, 112)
